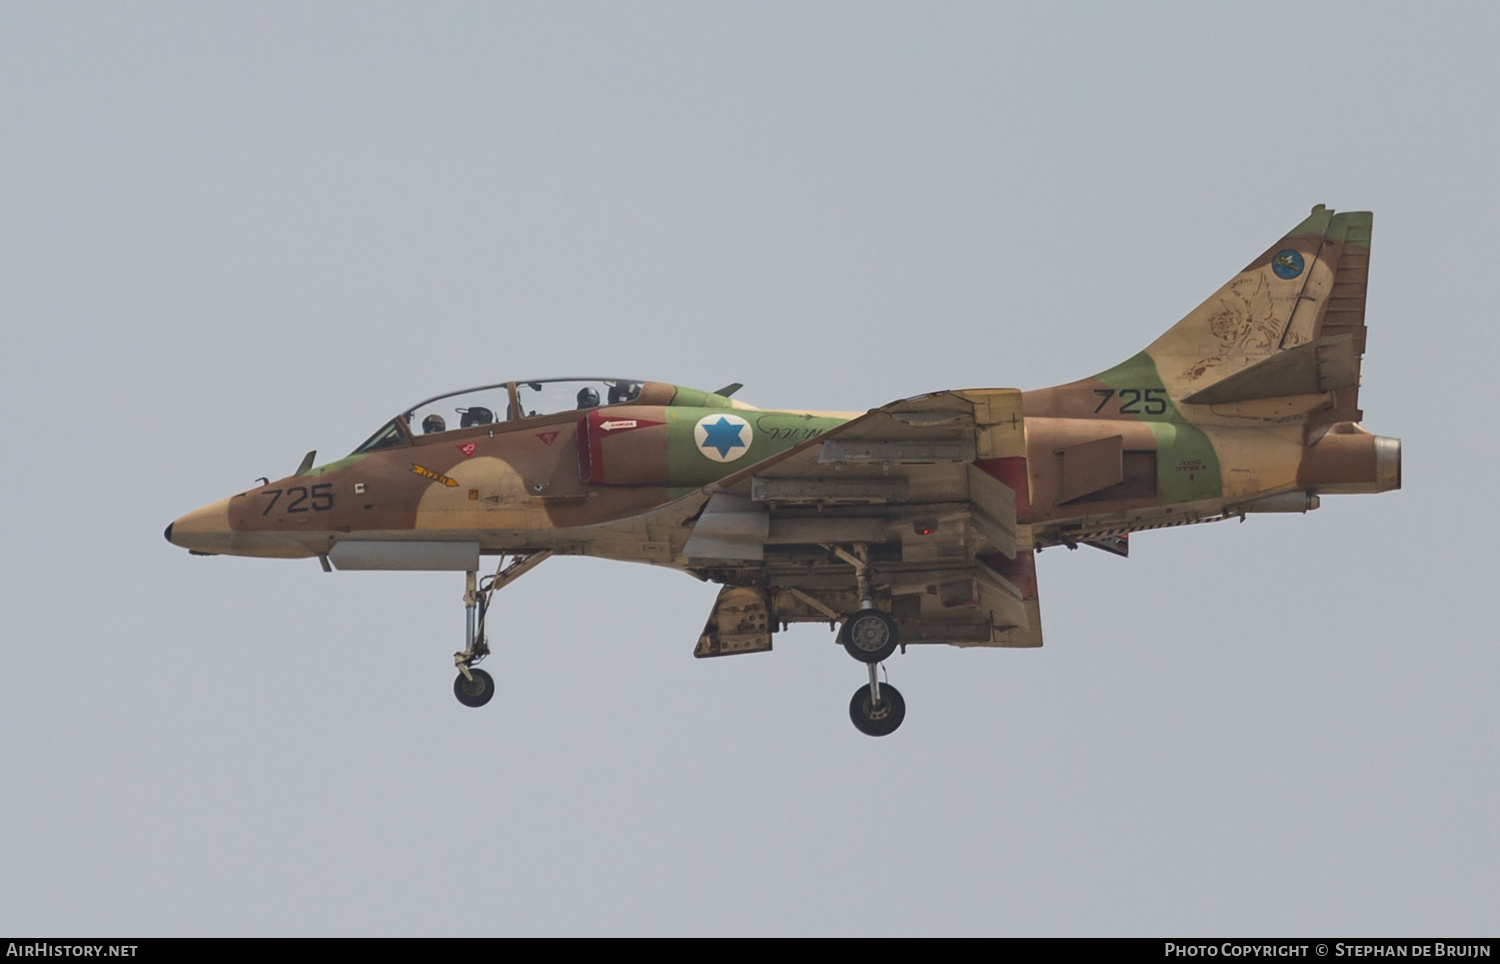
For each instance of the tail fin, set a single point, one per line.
(1290, 323)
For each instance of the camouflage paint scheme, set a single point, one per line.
(1248, 404)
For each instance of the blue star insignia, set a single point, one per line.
(723, 435)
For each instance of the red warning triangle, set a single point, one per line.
(468, 448)
(548, 437)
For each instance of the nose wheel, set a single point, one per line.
(476, 688)
(473, 686)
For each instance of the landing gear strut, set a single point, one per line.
(473, 686)
(870, 636)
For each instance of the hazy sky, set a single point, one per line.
(232, 233)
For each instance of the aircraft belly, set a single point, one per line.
(268, 545)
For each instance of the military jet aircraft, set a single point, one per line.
(915, 522)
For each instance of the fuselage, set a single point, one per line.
(1105, 456)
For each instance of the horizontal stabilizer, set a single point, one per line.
(1321, 366)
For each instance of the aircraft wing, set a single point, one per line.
(933, 489)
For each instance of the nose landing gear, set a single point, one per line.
(473, 686)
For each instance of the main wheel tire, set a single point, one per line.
(877, 721)
(869, 636)
(475, 692)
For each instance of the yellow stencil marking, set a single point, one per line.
(434, 476)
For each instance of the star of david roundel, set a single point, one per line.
(722, 437)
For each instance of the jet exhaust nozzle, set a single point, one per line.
(1347, 459)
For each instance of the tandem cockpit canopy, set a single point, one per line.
(503, 402)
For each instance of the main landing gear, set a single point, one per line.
(870, 636)
(473, 686)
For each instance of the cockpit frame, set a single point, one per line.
(399, 430)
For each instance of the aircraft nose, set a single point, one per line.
(204, 530)
(167, 533)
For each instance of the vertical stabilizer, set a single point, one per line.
(1291, 323)
(1308, 286)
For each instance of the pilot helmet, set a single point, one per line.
(434, 423)
(588, 398)
(475, 415)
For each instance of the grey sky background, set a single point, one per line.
(232, 233)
